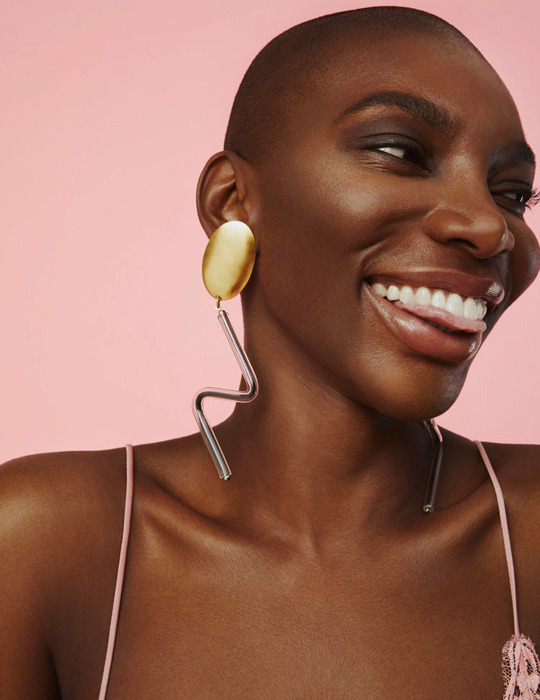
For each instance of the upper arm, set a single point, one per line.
(26, 666)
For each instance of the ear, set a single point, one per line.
(222, 192)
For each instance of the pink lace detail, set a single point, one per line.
(521, 669)
(520, 666)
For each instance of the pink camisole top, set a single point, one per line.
(521, 668)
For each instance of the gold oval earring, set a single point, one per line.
(228, 260)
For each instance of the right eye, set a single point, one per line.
(405, 152)
(396, 151)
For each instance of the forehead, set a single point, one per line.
(446, 72)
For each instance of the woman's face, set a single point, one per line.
(404, 166)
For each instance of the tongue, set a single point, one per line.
(443, 317)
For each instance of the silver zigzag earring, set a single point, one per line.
(434, 433)
(227, 266)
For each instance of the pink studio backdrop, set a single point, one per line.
(109, 111)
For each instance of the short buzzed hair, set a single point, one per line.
(280, 74)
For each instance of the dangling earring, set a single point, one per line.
(227, 266)
(434, 433)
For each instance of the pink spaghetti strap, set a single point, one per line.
(520, 665)
(505, 533)
(120, 574)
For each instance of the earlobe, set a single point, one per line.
(222, 192)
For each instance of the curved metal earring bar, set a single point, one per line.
(433, 479)
(210, 392)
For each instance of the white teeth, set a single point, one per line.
(423, 296)
(380, 289)
(393, 293)
(469, 308)
(438, 299)
(406, 295)
(454, 305)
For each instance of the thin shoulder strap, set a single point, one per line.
(120, 574)
(505, 533)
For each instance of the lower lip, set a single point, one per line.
(421, 336)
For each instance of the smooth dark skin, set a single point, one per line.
(313, 573)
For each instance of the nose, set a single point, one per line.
(475, 223)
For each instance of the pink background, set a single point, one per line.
(109, 111)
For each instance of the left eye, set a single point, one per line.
(518, 197)
(518, 200)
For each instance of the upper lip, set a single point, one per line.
(467, 285)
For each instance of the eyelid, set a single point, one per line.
(515, 187)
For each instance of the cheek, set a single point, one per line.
(307, 263)
(326, 211)
(319, 227)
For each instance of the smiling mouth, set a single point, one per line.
(448, 311)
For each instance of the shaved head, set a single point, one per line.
(282, 74)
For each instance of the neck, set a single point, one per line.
(316, 460)
(308, 454)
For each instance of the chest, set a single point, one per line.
(258, 628)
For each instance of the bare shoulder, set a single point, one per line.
(58, 508)
(59, 532)
(41, 493)
(65, 509)
(518, 469)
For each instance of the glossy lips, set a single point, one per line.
(449, 309)
(446, 325)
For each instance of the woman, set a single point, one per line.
(367, 151)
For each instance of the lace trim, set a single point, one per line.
(521, 669)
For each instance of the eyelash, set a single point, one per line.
(530, 197)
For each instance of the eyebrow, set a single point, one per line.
(514, 153)
(430, 113)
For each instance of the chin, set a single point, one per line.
(422, 411)
(418, 397)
